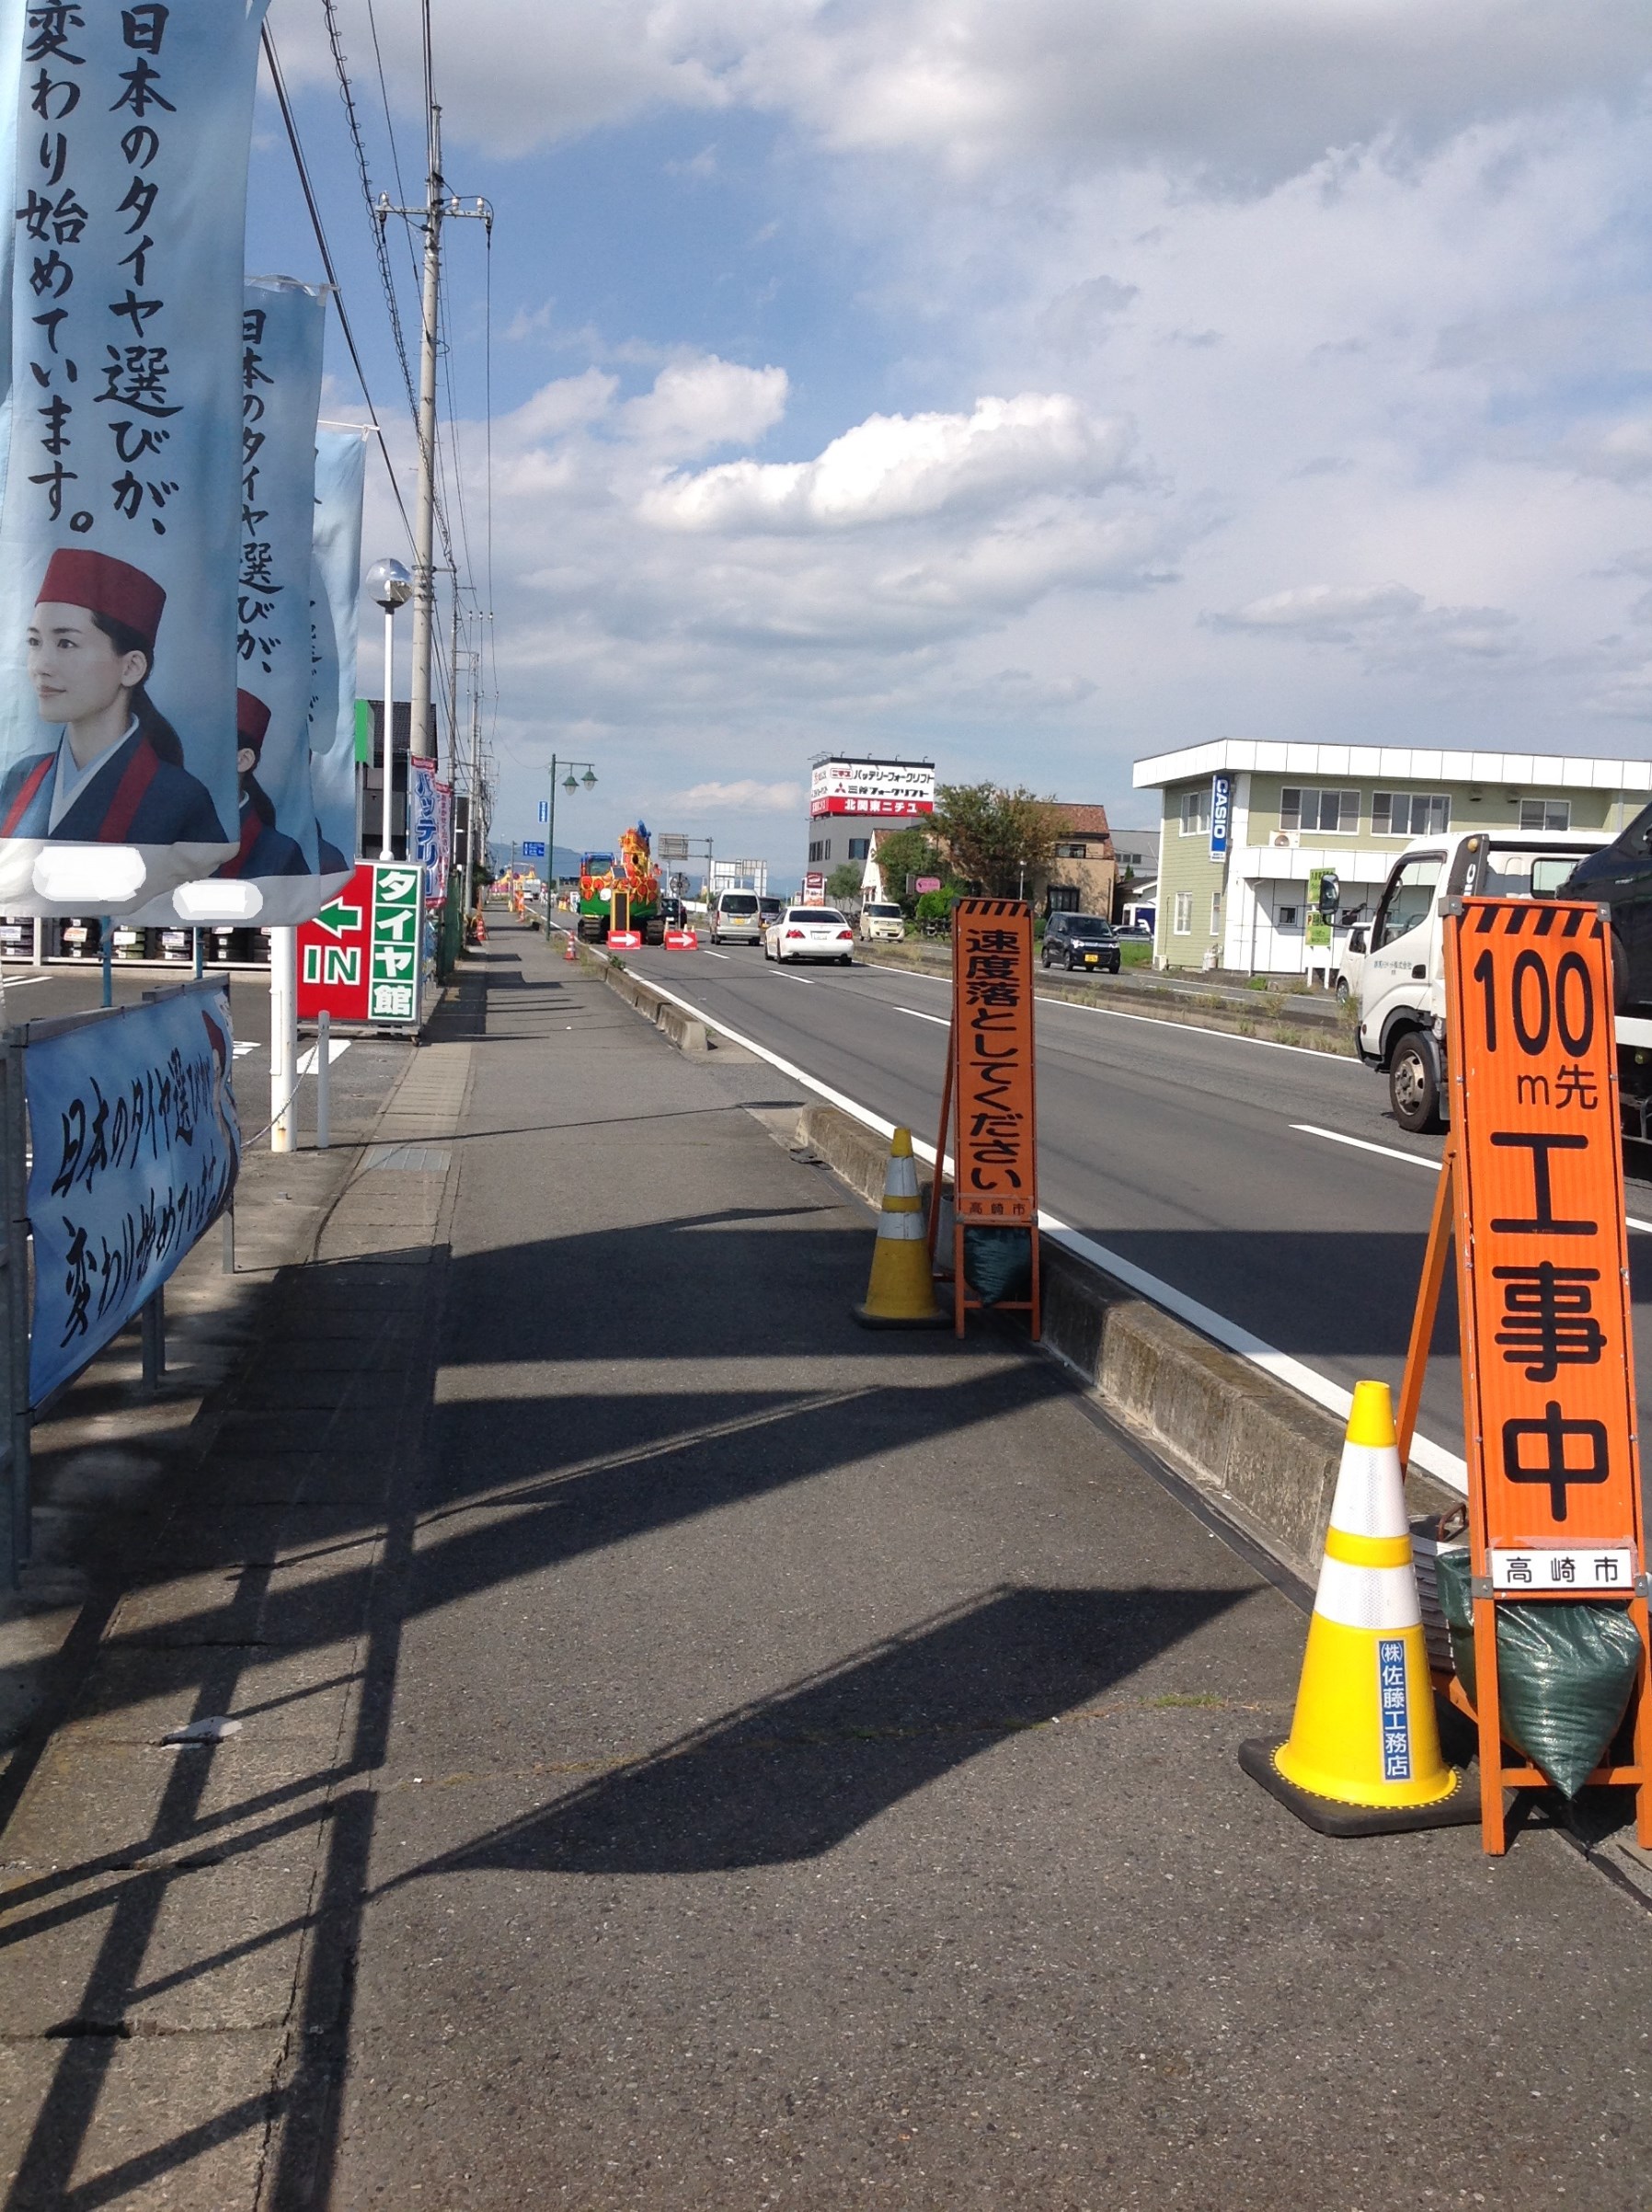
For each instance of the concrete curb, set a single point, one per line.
(685, 1033)
(1264, 1456)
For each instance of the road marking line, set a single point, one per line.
(1363, 1144)
(1304, 1380)
(1160, 1021)
(715, 956)
(1389, 1152)
(940, 1020)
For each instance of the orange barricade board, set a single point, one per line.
(996, 1149)
(989, 1100)
(1532, 1198)
(1548, 1378)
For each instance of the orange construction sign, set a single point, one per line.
(1533, 1196)
(989, 1096)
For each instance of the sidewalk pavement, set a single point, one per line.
(692, 1753)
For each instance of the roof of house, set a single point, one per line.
(1082, 822)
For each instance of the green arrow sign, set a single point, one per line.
(338, 918)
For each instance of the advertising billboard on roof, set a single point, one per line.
(879, 788)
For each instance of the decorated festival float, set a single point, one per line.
(621, 893)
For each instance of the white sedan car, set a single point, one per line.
(809, 932)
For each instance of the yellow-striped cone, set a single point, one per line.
(900, 1294)
(1363, 1754)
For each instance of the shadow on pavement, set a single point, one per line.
(790, 1776)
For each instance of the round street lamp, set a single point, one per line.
(389, 586)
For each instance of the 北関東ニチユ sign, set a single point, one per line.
(883, 788)
(995, 1146)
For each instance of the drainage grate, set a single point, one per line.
(412, 1159)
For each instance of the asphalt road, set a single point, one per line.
(1268, 1183)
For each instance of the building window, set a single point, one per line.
(1545, 814)
(859, 847)
(1196, 812)
(1319, 813)
(1287, 917)
(1061, 899)
(1183, 922)
(814, 850)
(1216, 913)
(1410, 813)
(1073, 852)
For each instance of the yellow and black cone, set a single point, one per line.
(900, 1294)
(1363, 1757)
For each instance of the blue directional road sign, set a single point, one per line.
(533, 848)
(545, 809)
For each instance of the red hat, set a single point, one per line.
(104, 586)
(252, 720)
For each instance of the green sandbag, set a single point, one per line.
(1566, 1668)
(998, 1263)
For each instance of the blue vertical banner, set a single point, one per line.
(1221, 808)
(136, 1148)
(335, 601)
(281, 334)
(125, 148)
(424, 827)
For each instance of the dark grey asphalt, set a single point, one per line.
(810, 1757)
(1172, 1146)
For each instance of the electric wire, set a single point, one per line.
(279, 82)
(380, 248)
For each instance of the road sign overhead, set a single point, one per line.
(545, 809)
(533, 848)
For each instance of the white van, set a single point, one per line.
(1401, 986)
(737, 919)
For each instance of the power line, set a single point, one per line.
(279, 82)
(380, 247)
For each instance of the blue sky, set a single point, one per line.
(1037, 388)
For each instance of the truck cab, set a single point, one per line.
(1402, 980)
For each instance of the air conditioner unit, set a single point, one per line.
(1284, 839)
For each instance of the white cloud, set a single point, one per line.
(744, 797)
(696, 405)
(892, 468)
(1251, 90)
(1324, 612)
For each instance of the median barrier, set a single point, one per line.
(1267, 1457)
(684, 1030)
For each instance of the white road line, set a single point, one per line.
(1363, 1144)
(1388, 1152)
(715, 956)
(940, 1020)
(312, 1053)
(1305, 1379)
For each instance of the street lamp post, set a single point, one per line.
(390, 586)
(571, 786)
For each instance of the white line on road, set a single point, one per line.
(1389, 1152)
(1435, 1458)
(939, 1019)
(1363, 1144)
(715, 956)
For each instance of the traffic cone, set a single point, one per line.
(1362, 1758)
(900, 1294)
(567, 947)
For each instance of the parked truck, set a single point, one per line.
(1401, 983)
(627, 884)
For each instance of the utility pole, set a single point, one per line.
(440, 205)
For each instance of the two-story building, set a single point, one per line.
(1246, 824)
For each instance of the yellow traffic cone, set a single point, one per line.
(1362, 1758)
(900, 1294)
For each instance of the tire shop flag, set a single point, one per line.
(125, 151)
(335, 596)
(136, 1151)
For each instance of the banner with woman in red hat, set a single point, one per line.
(125, 143)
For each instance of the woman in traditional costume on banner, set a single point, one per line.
(263, 850)
(116, 774)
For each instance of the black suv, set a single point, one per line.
(1081, 941)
